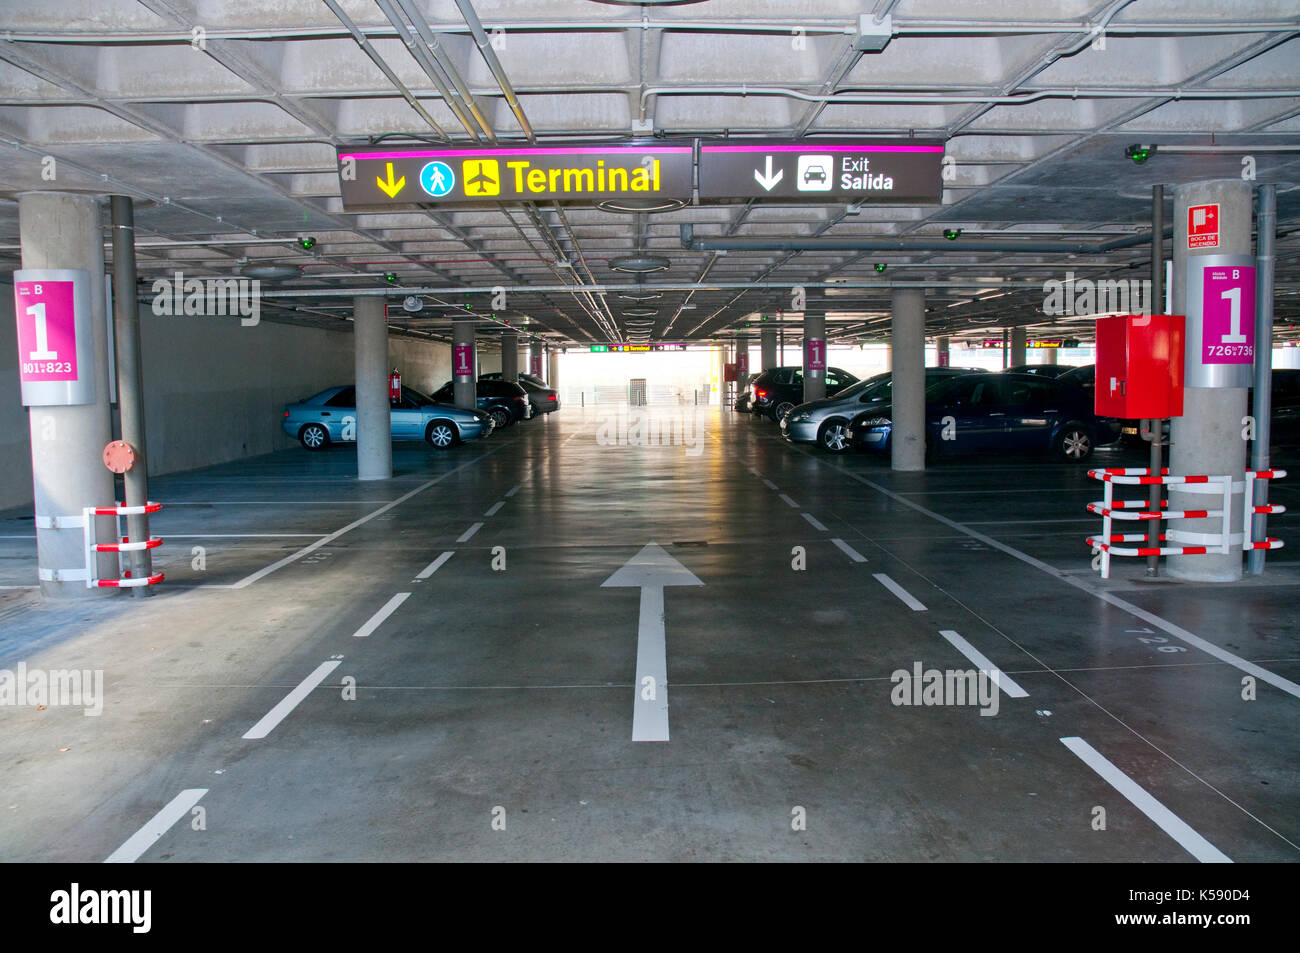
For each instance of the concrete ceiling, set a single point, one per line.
(221, 118)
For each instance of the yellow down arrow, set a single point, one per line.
(390, 187)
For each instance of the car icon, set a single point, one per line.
(814, 173)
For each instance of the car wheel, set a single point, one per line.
(834, 436)
(501, 417)
(1074, 445)
(781, 409)
(442, 435)
(314, 437)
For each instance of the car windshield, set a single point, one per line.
(877, 388)
(941, 386)
(416, 396)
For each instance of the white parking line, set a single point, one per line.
(789, 502)
(287, 704)
(908, 599)
(325, 540)
(464, 537)
(1165, 819)
(376, 620)
(849, 551)
(816, 523)
(495, 506)
(514, 489)
(156, 827)
(434, 566)
(770, 484)
(1003, 681)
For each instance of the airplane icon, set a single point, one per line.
(482, 177)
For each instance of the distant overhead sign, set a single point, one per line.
(585, 172)
(908, 172)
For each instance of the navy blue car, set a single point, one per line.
(998, 412)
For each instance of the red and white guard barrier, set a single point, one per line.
(86, 522)
(1110, 509)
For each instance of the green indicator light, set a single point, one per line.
(600, 348)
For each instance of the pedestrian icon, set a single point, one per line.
(482, 177)
(437, 179)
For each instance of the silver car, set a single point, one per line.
(826, 422)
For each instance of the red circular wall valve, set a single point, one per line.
(119, 456)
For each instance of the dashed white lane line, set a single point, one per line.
(514, 489)
(816, 523)
(156, 827)
(325, 540)
(849, 551)
(465, 536)
(434, 566)
(769, 484)
(1000, 678)
(908, 599)
(789, 502)
(492, 511)
(1165, 819)
(287, 704)
(376, 620)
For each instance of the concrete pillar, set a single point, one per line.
(464, 365)
(537, 359)
(768, 344)
(59, 230)
(944, 352)
(1051, 355)
(814, 357)
(374, 422)
(510, 356)
(888, 358)
(741, 360)
(553, 369)
(907, 341)
(1207, 438)
(1019, 339)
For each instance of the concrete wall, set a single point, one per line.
(215, 390)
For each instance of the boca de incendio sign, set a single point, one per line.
(590, 172)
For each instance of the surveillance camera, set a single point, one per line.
(412, 303)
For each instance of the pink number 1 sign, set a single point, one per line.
(47, 331)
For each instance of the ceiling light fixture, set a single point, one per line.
(640, 264)
(640, 205)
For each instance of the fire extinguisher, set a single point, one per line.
(394, 385)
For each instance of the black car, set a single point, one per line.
(504, 402)
(999, 412)
(778, 390)
(1046, 370)
(543, 399)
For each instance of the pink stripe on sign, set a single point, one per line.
(463, 153)
(819, 147)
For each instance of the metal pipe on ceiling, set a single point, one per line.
(490, 57)
(691, 243)
(431, 68)
(907, 27)
(421, 26)
(1015, 99)
(384, 68)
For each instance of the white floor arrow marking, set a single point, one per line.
(651, 570)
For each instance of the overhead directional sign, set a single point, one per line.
(890, 172)
(583, 172)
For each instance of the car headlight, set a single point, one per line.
(799, 418)
(877, 422)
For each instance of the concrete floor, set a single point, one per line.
(514, 689)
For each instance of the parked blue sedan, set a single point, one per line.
(998, 412)
(331, 417)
